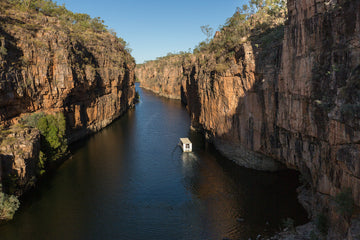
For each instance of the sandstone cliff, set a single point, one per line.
(289, 98)
(20, 147)
(47, 65)
(55, 61)
(163, 76)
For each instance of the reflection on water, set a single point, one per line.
(132, 181)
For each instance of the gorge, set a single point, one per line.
(286, 98)
(272, 91)
(132, 181)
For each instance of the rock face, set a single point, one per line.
(318, 93)
(163, 77)
(50, 64)
(47, 66)
(19, 148)
(292, 101)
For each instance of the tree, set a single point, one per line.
(208, 31)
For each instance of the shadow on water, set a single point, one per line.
(130, 181)
(241, 202)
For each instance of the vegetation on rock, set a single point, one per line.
(78, 23)
(252, 19)
(52, 59)
(53, 136)
(8, 206)
(260, 21)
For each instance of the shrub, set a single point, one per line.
(32, 119)
(53, 136)
(41, 163)
(8, 206)
(137, 97)
(79, 21)
(253, 19)
(221, 67)
(53, 128)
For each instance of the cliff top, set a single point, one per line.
(31, 16)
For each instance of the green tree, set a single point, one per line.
(8, 205)
(53, 136)
(208, 31)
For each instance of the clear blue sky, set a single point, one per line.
(155, 27)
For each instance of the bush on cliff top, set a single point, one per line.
(79, 22)
(254, 18)
(50, 8)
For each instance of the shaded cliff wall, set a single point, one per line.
(318, 96)
(163, 76)
(19, 158)
(292, 96)
(297, 103)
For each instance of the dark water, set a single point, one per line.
(130, 181)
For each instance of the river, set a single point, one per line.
(131, 181)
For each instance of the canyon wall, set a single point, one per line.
(162, 77)
(19, 159)
(289, 101)
(50, 64)
(50, 67)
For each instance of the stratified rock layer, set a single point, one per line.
(51, 67)
(19, 158)
(162, 77)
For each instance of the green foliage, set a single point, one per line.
(41, 163)
(322, 224)
(79, 22)
(344, 202)
(53, 128)
(137, 97)
(53, 136)
(202, 46)
(32, 119)
(125, 44)
(180, 54)
(208, 31)
(8, 206)
(256, 17)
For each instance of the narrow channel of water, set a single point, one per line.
(131, 181)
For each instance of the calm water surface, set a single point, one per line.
(131, 181)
